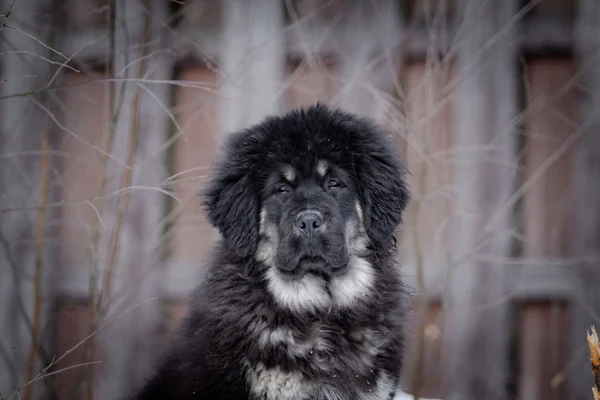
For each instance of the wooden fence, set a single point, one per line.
(111, 112)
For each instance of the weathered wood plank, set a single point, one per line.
(195, 147)
(547, 204)
(586, 198)
(80, 175)
(542, 350)
(475, 303)
(251, 62)
(546, 217)
(368, 42)
(141, 128)
(117, 262)
(429, 159)
(422, 372)
(72, 324)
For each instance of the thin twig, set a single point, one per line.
(18, 78)
(5, 16)
(112, 115)
(31, 53)
(58, 71)
(76, 136)
(63, 203)
(39, 250)
(127, 174)
(207, 86)
(55, 362)
(36, 39)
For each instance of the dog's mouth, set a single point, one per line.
(311, 260)
(317, 266)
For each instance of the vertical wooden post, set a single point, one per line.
(369, 39)
(585, 245)
(252, 62)
(547, 217)
(23, 126)
(130, 269)
(476, 308)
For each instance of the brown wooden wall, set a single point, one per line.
(540, 326)
(541, 280)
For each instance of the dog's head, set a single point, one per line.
(309, 195)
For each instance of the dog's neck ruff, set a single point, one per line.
(313, 293)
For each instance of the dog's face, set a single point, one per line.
(309, 196)
(312, 238)
(310, 223)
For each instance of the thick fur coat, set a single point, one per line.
(303, 297)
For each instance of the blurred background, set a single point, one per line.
(111, 114)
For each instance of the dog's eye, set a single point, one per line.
(283, 189)
(333, 184)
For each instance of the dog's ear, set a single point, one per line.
(232, 204)
(383, 191)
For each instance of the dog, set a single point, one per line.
(303, 297)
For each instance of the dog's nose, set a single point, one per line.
(308, 222)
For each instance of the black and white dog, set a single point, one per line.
(303, 297)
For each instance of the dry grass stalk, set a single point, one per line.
(39, 249)
(127, 175)
(89, 349)
(100, 305)
(595, 360)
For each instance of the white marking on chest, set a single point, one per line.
(308, 293)
(356, 283)
(274, 384)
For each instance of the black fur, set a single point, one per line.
(221, 336)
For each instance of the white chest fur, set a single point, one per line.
(320, 345)
(275, 384)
